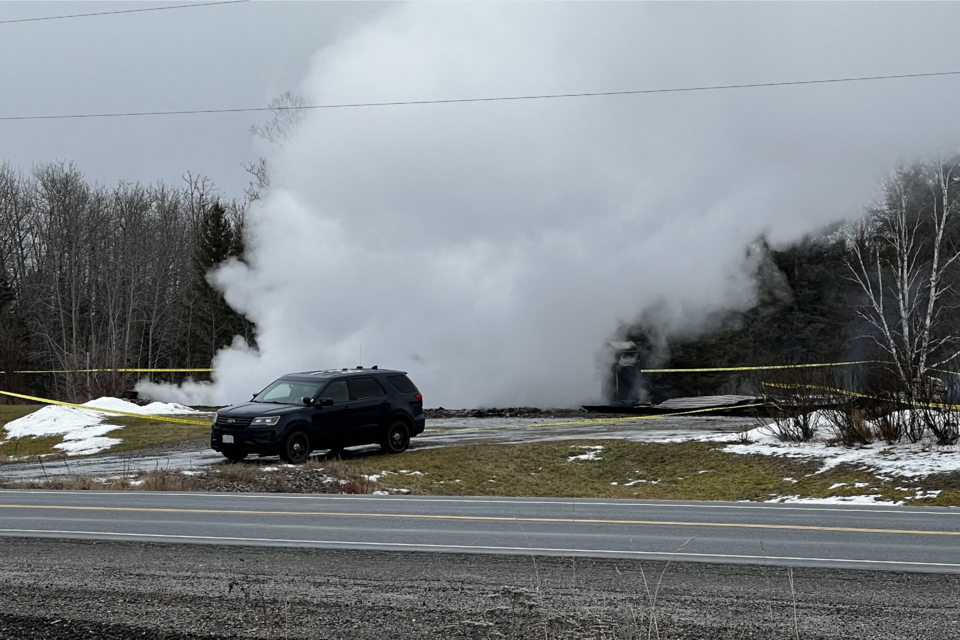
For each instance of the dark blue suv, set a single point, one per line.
(303, 412)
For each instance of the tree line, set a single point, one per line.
(109, 277)
(98, 277)
(884, 286)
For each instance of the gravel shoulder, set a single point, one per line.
(68, 589)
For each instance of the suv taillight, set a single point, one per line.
(419, 397)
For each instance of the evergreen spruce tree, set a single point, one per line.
(215, 324)
(6, 291)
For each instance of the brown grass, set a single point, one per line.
(687, 471)
(138, 433)
(674, 471)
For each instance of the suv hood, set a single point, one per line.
(254, 409)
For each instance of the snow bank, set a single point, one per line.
(900, 460)
(152, 409)
(83, 430)
(836, 500)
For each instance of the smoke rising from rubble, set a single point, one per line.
(491, 249)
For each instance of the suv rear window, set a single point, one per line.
(403, 384)
(361, 388)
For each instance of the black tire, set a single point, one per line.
(397, 438)
(295, 448)
(234, 456)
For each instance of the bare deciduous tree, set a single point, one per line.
(286, 114)
(905, 260)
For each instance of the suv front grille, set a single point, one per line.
(231, 422)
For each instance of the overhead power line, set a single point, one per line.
(110, 13)
(548, 96)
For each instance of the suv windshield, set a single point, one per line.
(288, 392)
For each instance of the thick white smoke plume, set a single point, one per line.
(491, 249)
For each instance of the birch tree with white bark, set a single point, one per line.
(906, 260)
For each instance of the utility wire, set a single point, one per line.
(110, 13)
(549, 96)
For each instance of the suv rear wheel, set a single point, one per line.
(295, 448)
(397, 438)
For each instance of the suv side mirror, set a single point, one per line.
(325, 402)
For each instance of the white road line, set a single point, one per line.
(947, 511)
(487, 548)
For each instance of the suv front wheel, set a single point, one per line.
(397, 438)
(295, 448)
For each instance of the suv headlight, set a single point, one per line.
(267, 421)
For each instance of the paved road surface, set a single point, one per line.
(886, 538)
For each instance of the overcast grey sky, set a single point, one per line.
(215, 56)
(244, 54)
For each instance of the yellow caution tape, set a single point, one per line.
(784, 385)
(934, 405)
(113, 411)
(601, 420)
(117, 371)
(759, 368)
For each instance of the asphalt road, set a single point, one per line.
(885, 538)
(78, 590)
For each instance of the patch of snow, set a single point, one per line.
(835, 500)
(633, 482)
(593, 453)
(152, 409)
(81, 444)
(836, 486)
(136, 483)
(411, 473)
(613, 484)
(52, 420)
(860, 485)
(277, 469)
(908, 460)
(381, 493)
(83, 430)
(790, 480)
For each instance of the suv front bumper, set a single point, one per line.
(265, 442)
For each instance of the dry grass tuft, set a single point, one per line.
(164, 480)
(348, 479)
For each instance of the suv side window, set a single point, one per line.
(361, 388)
(283, 391)
(336, 391)
(403, 384)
